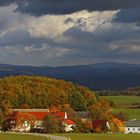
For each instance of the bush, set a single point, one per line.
(52, 125)
(83, 126)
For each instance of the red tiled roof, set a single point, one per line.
(41, 116)
(37, 115)
(69, 122)
(60, 114)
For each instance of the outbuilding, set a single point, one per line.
(132, 126)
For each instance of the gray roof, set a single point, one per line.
(30, 110)
(133, 123)
(81, 114)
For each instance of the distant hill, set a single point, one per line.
(99, 76)
(43, 92)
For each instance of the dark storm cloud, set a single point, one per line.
(103, 35)
(6, 2)
(128, 16)
(28, 40)
(21, 38)
(41, 7)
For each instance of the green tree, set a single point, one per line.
(5, 106)
(1, 119)
(77, 101)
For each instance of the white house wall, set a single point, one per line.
(132, 130)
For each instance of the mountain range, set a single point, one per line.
(100, 76)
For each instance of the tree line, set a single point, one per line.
(43, 92)
(135, 91)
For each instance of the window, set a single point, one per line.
(128, 129)
(138, 129)
(133, 129)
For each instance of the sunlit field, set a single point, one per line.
(124, 103)
(103, 136)
(131, 113)
(123, 100)
(6, 136)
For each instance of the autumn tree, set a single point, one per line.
(116, 125)
(90, 96)
(1, 119)
(83, 126)
(5, 107)
(100, 110)
(51, 124)
(42, 92)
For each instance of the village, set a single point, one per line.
(69, 69)
(45, 105)
(33, 120)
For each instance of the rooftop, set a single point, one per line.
(132, 123)
(30, 110)
(69, 122)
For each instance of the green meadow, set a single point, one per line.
(124, 103)
(103, 136)
(123, 100)
(6, 136)
(131, 113)
(74, 136)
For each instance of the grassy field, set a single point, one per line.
(75, 137)
(123, 100)
(20, 137)
(122, 104)
(103, 136)
(131, 113)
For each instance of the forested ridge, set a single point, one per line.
(99, 76)
(43, 92)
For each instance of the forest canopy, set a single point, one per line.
(43, 92)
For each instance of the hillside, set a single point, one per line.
(43, 92)
(108, 76)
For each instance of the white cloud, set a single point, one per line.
(53, 26)
(126, 46)
(2, 34)
(82, 37)
(11, 20)
(32, 49)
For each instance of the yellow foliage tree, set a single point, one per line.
(118, 125)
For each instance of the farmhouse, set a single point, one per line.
(132, 126)
(25, 119)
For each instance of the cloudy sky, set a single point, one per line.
(69, 32)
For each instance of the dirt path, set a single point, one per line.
(52, 137)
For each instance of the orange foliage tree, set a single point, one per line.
(116, 125)
(100, 110)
